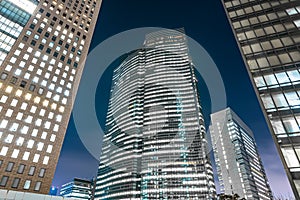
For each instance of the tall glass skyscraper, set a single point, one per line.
(43, 47)
(154, 146)
(268, 35)
(239, 167)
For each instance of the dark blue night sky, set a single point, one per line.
(205, 22)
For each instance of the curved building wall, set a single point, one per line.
(154, 146)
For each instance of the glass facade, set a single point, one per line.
(43, 46)
(239, 167)
(155, 144)
(268, 36)
(12, 21)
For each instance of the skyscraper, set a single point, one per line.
(43, 47)
(77, 188)
(239, 167)
(154, 145)
(268, 35)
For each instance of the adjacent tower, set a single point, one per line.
(43, 47)
(154, 145)
(268, 35)
(77, 189)
(239, 167)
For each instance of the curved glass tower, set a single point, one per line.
(155, 146)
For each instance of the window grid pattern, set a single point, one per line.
(239, 166)
(37, 74)
(154, 100)
(268, 35)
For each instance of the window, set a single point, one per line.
(292, 98)
(291, 125)
(42, 172)
(20, 141)
(36, 158)
(40, 146)
(30, 144)
(3, 151)
(3, 76)
(31, 171)
(15, 153)
(23, 84)
(27, 184)
(280, 100)
(46, 160)
(21, 169)
(9, 166)
(4, 181)
(278, 126)
(290, 157)
(9, 138)
(37, 186)
(297, 23)
(26, 155)
(15, 183)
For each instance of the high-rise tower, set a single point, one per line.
(43, 47)
(154, 145)
(268, 35)
(239, 167)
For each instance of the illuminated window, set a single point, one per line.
(56, 127)
(9, 138)
(3, 151)
(52, 138)
(3, 99)
(27, 185)
(14, 127)
(46, 160)
(44, 135)
(26, 155)
(36, 158)
(33, 109)
(29, 119)
(3, 123)
(24, 130)
(14, 102)
(34, 132)
(20, 141)
(19, 116)
(9, 112)
(47, 125)
(38, 122)
(40, 146)
(15, 153)
(290, 157)
(297, 23)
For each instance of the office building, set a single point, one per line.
(268, 35)
(43, 47)
(77, 188)
(239, 167)
(154, 145)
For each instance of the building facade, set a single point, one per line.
(239, 167)
(43, 47)
(154, 145)
(268, 35)
(77, 188)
